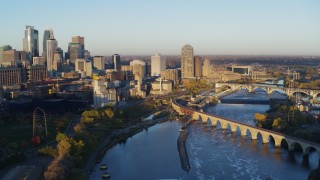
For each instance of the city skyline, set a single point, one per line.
(145, 28)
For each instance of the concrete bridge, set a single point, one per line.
(270, 88)
(246, 129)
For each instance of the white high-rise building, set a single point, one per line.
(158, 64)
(48, 33)
(52, 45)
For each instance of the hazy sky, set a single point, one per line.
(144, 27)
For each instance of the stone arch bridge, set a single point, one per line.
(246, 129)
(270, 88)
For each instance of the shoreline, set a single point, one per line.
(114, 138)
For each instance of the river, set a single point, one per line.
(213, 153)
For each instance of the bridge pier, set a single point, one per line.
(277, 142)
(243, 131)
(213, 122)
(224, 125)
(265, 138)
(233, 128)
(254, 135)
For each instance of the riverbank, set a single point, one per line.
(114, 138)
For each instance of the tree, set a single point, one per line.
(260, 119)
(60, 136)
(48, 150)
(78, 128)
(279, 124)
(64, 147)
(109, 113)
(60, 168)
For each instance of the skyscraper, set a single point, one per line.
(206, 68)
(52, 45)
(197, 66)
(80, 40)
(31, 42)
(46, 36)
(116, 62)
(158, 64)
(76, 48)
(187, 62)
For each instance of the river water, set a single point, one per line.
(213, 153)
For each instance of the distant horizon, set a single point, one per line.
(275, 28)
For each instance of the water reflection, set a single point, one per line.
(213, 153)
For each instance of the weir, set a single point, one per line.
(183, 154)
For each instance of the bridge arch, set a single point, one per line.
(224, 86)
(262, 88)
(309, 149)
(243, 87)
(296, 146)
(208, 123)
(299, 91)
(284, 143)
(316, 95)
(277, 90)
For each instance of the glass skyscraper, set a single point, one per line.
(31, 42)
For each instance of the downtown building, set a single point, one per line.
(51, 47)
(170, 74)
(116, 62)
(158, 64)
(17, 75)
(83, 67)
(46, 36)
(76, 49)
(198, 66)
(31, 42)
(138, 67)
(187, 62)
(99, 63)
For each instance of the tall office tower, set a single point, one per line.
(52, 45)
(99, 62)
(158, 64)
(187, 62)
(46, 36)
(80, 40)
(197, 66)
(76, 49)
(31, 42)
(74, 52)
(138, 67)
(116, 62)
(206, 68)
